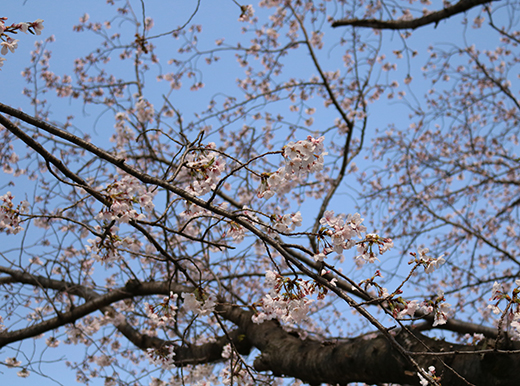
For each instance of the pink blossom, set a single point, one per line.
(9, 215)
(12, 362)
(410, 309)
(203, 307)
(163, 313)
(162, 357)
(37, 25)
(9, 45)
(287, 222)
(23, 373)
(247, 13)
(441, 314)
(23, 26)
(145, 110)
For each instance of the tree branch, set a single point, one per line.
(283, 353)
(371, 358)
(434, 17)
(194, 354)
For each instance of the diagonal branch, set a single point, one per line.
(434, 17)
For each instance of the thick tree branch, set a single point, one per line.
(194, 354)
(371, 358)
(340, 361)
(93, 302)
(434, 17)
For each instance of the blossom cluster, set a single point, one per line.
(163, 313)
(246, 13)
(199, 304)
(10, 44)
(301, 158)
(205, 167)
(123, 133)
(237, 232)
(106, 249)
(430, 264)
(236, 375)
(287, 222)
(13, 362)
(144, 110)
(366, 247)
(9, 215)
(512, 310)
(287, 299)
(341, 232)
(431, 373)
(437, 306)
(123, 194)
(162, 357)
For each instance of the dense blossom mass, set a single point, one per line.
(285, 193)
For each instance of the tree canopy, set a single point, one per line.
(283, 192)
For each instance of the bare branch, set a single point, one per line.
(434, 17)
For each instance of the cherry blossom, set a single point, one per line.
(410, 309)
(37, 25)
(205, 167)
(287, 300)
(9, 215)
(302, 158)
(204, 306)
(430, 264)
(163, 357)
(247, 13)
(163, 313)
(431, 373)
(287, 222)
(23, 373)
(124, 194)
(145, 110)
(342, 231)
(9, 45)
(12, 362)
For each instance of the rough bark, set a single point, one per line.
(370, 358)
